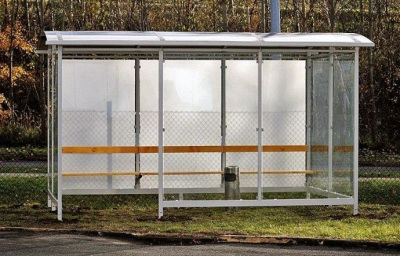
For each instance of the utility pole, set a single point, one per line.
(263, 15)
(275, 16)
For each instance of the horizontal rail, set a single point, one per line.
(324, 148)
(153, 173)
(179, 149)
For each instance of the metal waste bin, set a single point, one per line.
(232, 185)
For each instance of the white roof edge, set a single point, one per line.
(205, 39)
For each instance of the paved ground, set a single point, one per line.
(18, 243)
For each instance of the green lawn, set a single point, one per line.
(375, 222)
(30, 153)
(23, 204)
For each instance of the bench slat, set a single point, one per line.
(150, 173)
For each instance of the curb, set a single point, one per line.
(185, 239)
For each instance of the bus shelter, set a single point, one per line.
(166, 112)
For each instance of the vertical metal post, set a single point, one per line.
(308, 116)
(330, 119)
(49, 202)
(53, 96)
(59, 133)
(137, 121)
(355, 135)
(260, 129)
(160, 134)
(223, 117)
(109, 142)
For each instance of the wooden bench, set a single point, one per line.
(192, 149)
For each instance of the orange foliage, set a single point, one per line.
(19, 42)
(21, 75)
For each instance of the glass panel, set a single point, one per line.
(343, 121)
(320, 123)
(98, 110)
(149, 120)
(192, 117)
(284, 120)
(242, 119)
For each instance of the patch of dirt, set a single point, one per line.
(164, 218)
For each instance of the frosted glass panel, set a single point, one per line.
(149, 85)
(192, 103)
(98, 110)
(90, 84)
(241, 116)
(192, 85)
(284, 120)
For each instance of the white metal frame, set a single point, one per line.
(59, 132)
(356, 130)
(260, 127)
(330, 119)
(161, 134)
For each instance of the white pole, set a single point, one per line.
(53, 96)
(308, 117)
(59, 133)
(330, 120)
(49, 202)
(260, 128)
(223, 117)
(355, 135)
(160, 135)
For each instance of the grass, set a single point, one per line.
(23, 170)
(23, 203)
(376, 222)
(17, 190)
(26, 153)
(382, 191)
(380, 174)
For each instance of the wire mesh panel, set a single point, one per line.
(284, 122)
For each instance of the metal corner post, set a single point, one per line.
(260, 129)
(49, 160)
(223, 117)
(330, 119)
(160, 134)
(53, 96)
(308, 116)
(356, 130)
(137, 121)
(59, 132)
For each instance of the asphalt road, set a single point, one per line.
(22, 243)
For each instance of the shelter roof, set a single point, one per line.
(204, 39)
